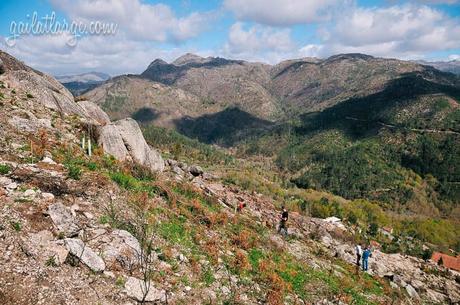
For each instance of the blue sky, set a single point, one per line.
(255, 30)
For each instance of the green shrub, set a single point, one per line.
(51, 262)
(17, 226)
(4, 169)
(92, 166)
(74, 171)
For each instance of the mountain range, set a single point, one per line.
(386, 122)
(80, 83)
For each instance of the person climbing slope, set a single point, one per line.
(283, 222)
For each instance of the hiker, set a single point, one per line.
(359, 253)
(366, 254)
(283, 221)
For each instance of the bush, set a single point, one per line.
(4, 169)
(74, 171)
(373, 229)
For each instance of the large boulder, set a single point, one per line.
(138, 148)
(87, 256)
(112, 142)
(123, 139)
(94, 112)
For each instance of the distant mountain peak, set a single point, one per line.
(89, 77)
(187, 58)
(350, 56)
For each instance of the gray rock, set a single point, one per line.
(12, 186)
(43, 246)
(137, 146)
(122, 248)
(112, 142)
(4, 181)
(412, 292)
(124, 140)
(63, 219)
(177, 170)
(48, 197)
(195, 170)
(137, 289)
(453, 292)
(2, 67)
(29, 125)
(435, 297)
(418, 285)
(94, 112)
(30, 194)
(48, 160)
(78, 248)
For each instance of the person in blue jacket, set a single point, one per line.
(366, 254)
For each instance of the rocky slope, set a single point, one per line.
(80, 229)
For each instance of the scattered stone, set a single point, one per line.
(12, 186)
(48, 160)
(47, 197)
(4, 181)
(177, 170)
(43, 246)
(435, 297)
(394, 285)
(412, 292)
(195, 170)
(122, 249)
(109, 274)
(78, 248)
(88, 215)
(453, 292)
(183, 258)
(29, 194)
(137, 289)
(63, 219)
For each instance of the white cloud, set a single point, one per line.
(156, 22)
(282, 12)
(259, 43)
(111, 54)
(454, 57)
(141, 29)
(407, 31)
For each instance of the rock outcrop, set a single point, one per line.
(94, 112)
(124, 140)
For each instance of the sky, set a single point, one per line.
(255, 30)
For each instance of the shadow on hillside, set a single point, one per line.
(363, 117)
(145, 115)
(225, 128)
